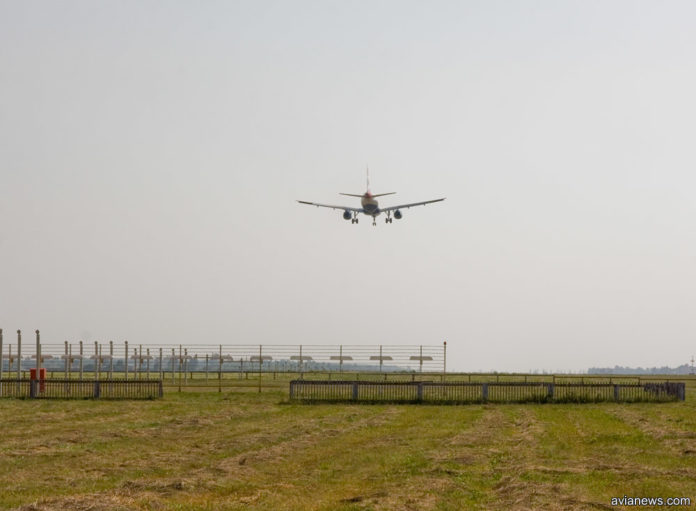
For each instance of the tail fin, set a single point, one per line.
(367, 168)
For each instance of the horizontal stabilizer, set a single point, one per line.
(362, 195)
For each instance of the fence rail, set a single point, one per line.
(517, 392)
(81, 389)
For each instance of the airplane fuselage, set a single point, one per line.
(370, 205)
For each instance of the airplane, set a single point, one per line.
(370, 206)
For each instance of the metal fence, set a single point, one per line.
(517, 392)
(81, 389)
(130, 360)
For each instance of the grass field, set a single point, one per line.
(241, 449)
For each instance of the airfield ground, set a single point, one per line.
(243, 450)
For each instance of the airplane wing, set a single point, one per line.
(344, 208)
(404, 206)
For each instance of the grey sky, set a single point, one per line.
(151, 154)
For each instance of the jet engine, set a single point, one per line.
(346, 215)
(397, 214)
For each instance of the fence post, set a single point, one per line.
(355, 390)
(550, 387)
(260, 364)
(1, 362)
(161, 370)
(111, 360)
(444, 360)
(81, 361)
(32, 389)
(96, 360)
(38, 355)
(484, 391)
(126, 359)
(19, 358)
(616, 392)
(681, 391)
(420, 391)
(292, 390)
(97, 389)
(180, 355)
(220, 372)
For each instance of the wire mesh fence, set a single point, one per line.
(127, 361)
(464, 392)
(81, 389)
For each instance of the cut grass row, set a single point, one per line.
(244, 450)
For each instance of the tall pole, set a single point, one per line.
(126, 359)
(260, 362)
(161, 371)
(220, 372)
(82, 364)
(38, 355)
(148, 363)
(180, 355)
(19, 355)
(70, 361)
(111, 360)
(67, 360)
(96, 360)
(185, 366)
(444, 359)
(1, 362)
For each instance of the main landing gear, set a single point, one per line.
(354, 220)
(389, 219)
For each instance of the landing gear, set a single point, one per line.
(374, 220)
(354, 220)
(389, 219)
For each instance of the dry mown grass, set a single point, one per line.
(250, 451)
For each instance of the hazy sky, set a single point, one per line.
(151, 154)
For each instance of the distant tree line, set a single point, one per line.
(682, 369)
